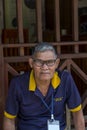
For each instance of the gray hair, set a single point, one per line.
(42, 47)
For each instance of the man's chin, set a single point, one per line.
(45, 78)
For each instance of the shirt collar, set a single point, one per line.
(55, 81)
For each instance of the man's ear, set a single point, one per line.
(57, 62)
(30, 60)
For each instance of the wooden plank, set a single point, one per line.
(78, 71)
(6, 79)
(12, 70)
(20, 25)
(8, 68)
(1, 19)
(39, 20)
(20, 21)
(1, 72)
(57, 20)
(72, 43)
(75, 19)
(2, 87)
(62, 56)
(75, 24)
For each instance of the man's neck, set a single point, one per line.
(43, 87)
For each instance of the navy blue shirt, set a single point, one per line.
(28, 105)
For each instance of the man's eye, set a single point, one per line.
(50, 61)
(38, 61)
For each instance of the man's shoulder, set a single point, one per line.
(18, 82)
(63, 73)
(21, 77)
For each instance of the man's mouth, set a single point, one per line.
(45, 73)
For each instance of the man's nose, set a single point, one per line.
(44, 65)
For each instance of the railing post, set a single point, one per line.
(57, 20)
(39, 20)
(2, 97)
(75, 24)
(20, 25)
(68, 113)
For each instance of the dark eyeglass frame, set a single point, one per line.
(49, 63)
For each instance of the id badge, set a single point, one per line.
(53, 125)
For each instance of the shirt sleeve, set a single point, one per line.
(73, 95)
(12, 101)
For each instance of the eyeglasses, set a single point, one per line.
(39, 62)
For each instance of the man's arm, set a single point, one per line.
(78, 119)
(9, 124)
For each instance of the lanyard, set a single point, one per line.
(52, 108)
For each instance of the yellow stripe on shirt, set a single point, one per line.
(9, 115)
(76, 109)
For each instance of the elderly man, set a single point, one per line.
(38, 98)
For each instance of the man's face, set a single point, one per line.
(44, 65)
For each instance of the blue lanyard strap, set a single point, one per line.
(45, 104)
(52, 106)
